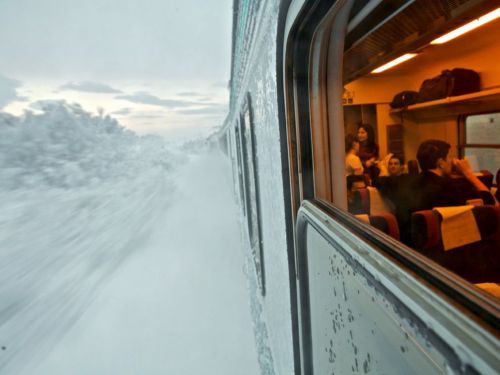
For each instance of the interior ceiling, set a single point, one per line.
(455, 49)
(408, 30)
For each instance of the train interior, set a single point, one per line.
(470, 123)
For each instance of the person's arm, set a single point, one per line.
(353, 165)
(464, 167)
(357, 166)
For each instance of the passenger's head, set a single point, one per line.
(366, 134)
(355, 182)
(351, 143)
(433, 154)
(395, 165)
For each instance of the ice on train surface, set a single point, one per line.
(79, 194)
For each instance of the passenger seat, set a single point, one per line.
(477, 262)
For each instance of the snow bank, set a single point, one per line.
(78, 195)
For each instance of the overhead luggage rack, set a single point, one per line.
(454, 103)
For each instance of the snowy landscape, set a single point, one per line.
(119, 253)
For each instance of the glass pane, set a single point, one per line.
(484, 158)
(354, 327)
(483, 129)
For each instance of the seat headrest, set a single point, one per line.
(425, 225)
(385, 222)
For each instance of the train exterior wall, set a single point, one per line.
(254, 82)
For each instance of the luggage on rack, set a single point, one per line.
(404, 99)
(458, 81)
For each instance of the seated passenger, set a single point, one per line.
(353, 164)
(436, 188)
(392, 165)
(354, 182)
(396, 165)
(398, 188)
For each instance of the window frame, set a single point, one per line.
(252, 199)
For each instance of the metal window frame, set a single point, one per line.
(252, 189)
(330, 222)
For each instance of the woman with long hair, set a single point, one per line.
(368, 149)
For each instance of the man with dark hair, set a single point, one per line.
(354, 182)
(436, 187)
(398, 188)
(395, 165)
(429, 153)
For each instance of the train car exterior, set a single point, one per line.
(330, 294)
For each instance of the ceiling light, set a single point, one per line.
(394, 62)
(468, 27)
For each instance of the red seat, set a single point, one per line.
(383, 221)
(477, 262)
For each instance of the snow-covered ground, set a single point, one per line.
(118, 255)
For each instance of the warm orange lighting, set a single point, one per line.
(468, 27)
(394, 62)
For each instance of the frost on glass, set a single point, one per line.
(354, 327)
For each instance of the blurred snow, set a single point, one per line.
(111, 260)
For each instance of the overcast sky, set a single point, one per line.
(158, 66)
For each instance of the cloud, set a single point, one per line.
(143, 97)
(208, 110)
(188, 93)
(88, 86)
(44, 103)
(8, 91)
(22, 99)
(122, 112)
(148, 116)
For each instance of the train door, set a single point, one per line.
(367, 302)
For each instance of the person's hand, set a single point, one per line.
(370, 162)
(463, 166)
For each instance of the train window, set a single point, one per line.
(348, 90)
(252, 197)
(481, 134)
(364, 205)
